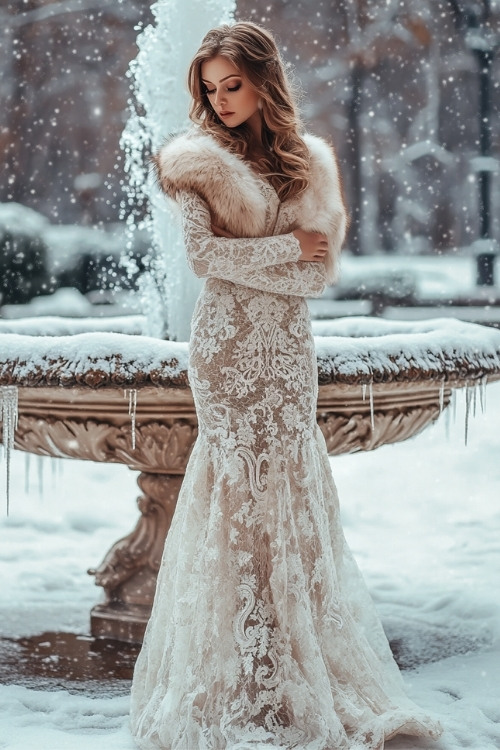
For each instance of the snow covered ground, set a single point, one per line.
(423, 518)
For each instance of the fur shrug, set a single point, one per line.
(196, 162)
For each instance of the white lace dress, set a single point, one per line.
(262, 633)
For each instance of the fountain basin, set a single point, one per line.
(379, 382)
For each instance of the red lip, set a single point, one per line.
(225, 114)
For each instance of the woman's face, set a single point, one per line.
(231, 94)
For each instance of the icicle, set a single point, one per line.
(27, 457)
(363, 391)
(372, 415)
(8, 416)
(40, 467)
(454, 405)
(441, 397)
(55, 471)
(474, 399)
(447, 418)
(468, 398)
(482, 393)
(132, 409)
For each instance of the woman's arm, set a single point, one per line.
(299, 279)
(225, 258)
(265, 263)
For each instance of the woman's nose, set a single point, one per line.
(219, 97)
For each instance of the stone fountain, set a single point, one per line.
(120, 392)
(121, 397)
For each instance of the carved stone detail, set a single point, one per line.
(128, 571)
(138, 555)
(348, 434)
(159, 447)
(66, 438)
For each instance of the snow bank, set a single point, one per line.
(63, 721)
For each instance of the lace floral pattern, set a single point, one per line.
(264, 263)
(262, 633)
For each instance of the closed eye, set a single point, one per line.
(210, 92)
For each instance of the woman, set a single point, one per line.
(262, 632)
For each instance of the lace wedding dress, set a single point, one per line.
(262, 633)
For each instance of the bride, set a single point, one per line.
(262, 633)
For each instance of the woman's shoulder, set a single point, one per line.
(189, 140)
(178, 158)
(195, 161)
(321, 153)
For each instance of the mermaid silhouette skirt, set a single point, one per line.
(262, 634)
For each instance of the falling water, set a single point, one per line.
(161, 104)
(8, 418)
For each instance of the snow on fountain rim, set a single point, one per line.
(349, 350)
(377, 350)
(93, 359)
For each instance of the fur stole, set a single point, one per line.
(196, 162)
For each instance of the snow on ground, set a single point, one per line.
(422, 517)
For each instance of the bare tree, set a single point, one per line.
(65, 103)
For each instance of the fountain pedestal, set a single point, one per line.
(375, 387)
(128, 571)
(94, 424)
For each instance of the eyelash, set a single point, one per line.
(229, 88)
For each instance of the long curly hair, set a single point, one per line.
(253, 51)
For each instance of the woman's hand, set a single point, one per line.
(219, 232)
(314, 245)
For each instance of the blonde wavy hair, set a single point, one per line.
(253, 51)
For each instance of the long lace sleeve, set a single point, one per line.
(225, 258)
(300, 279)
(268, 264)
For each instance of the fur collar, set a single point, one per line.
(196, 162)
